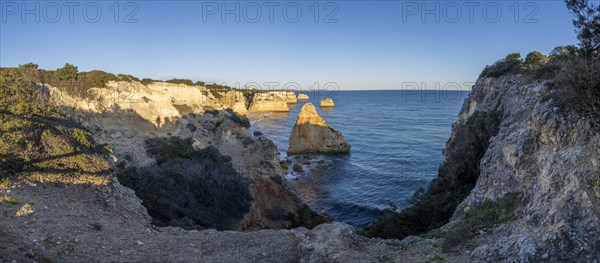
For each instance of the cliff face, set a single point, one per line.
(127, 119)
(269, 101)
(234, 100)
(552, 160)
(289, 96)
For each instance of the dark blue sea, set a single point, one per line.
(397, 139)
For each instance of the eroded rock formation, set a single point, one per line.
(267, 101)
(327, 103)
(232, 99)
(551, 159)
(289, 96)
(312, 134)
(302, 96)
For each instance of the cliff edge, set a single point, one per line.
(550, 160)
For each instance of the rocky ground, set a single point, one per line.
(83, 223)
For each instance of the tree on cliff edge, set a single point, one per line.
(583, 70)
(587, 25)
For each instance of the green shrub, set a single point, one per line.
(215, 89)
(11, 200)
(147, 81)
(181, 81)
(68, 72)
(96, 78)
(511, 64)
(485, 216)
(189, 188)
(534, 59)
(457, 176)
(126, 77)
(4, 182)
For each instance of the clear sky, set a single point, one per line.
(354, 44)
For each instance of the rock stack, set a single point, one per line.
(327, 102)
(312, 134)
(302, 96)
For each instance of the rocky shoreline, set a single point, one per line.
(547, 156)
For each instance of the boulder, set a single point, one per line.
(327, 102)
(302, 96)
(312, 134)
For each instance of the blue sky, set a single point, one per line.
(364, 45)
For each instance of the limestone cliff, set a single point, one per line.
(289, 96)
(311, 134)
(269, 101)
(127, 118)
(549, 157)
(234, 100)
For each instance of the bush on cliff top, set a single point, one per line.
(535, 63)
(189, 188)
(40, 142)
(181, 81)
(457, 176)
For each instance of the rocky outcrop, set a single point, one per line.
(125, 125)
(288, 96)
(159, 103)
(232, 99)
(302, 96)
(312, 134)
(268, 101)
(550, 158)
(327, 103)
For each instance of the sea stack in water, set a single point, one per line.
(302, 96)
(312, 134)
(326, 103)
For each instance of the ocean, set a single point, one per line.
(397, 139)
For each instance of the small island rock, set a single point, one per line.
(312, 134)
(302, 96)
(327, 102)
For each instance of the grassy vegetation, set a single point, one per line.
(11, 200)
(485, 217)
(40, 142)
(433, 207)
(189, 188)
(4, 183)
